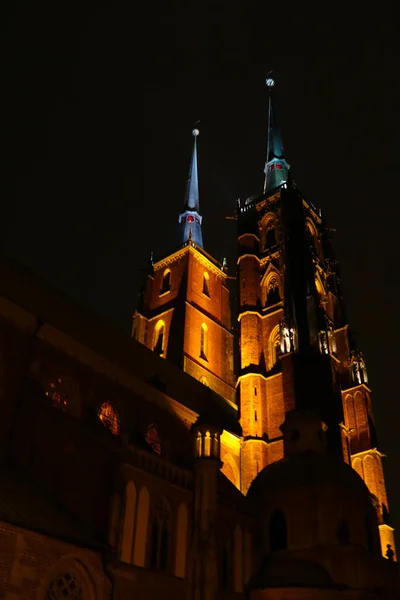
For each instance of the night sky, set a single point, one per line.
(100, 100)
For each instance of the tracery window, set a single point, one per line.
(108, 415)
(274, 346)
(273, 294)
(56, 393)
(153, 439)
(160, 536)
(65, 587)
(270, 235)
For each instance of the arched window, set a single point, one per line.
(273, 294)
(312, 237)
(270, 235)
(55, 391)
(158, 345)
(204, 341)
(274, 346)
(204, 381)
(166, 282)
(160, 536)
(153, 439)
(277, 531)
(206, 284)
(108, 415)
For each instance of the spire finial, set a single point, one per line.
(190, 217)
(270, 82)
(276, 168)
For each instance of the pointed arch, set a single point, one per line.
(269, 236)
(271, 287)
(349, 414)
(166, 282)
(158, 339)
(206, 284)
(274, 346)
(313, 236)
(361, 414)
(129, 522)
(139, 550)
(370, 474)
(204, 341)
(181, 540)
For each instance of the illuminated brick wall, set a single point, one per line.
(194, 310)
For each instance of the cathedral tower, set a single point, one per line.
(186, 294)
(295, 345)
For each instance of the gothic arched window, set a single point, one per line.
(204, 381)
(166, 282)
(273, 294)
(270, 236)
(158, 345)
(56, 393)
(153, 439)
(108, 415)
(204, 341)
(277, 531)
(206, 284)
(160, 536)
(274, 346)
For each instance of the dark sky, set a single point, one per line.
(100, 99)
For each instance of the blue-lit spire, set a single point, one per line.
(276, 167)
(190, 219)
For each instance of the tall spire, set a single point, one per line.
(276, 167)
(190, 219)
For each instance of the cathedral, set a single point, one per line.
(197, 458)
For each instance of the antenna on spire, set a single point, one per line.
(270, 82)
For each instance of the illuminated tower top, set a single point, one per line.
(190, 219)
(276, 167)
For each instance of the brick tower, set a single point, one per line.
(295, 345)
(186, 293)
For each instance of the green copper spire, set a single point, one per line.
(276, 167)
